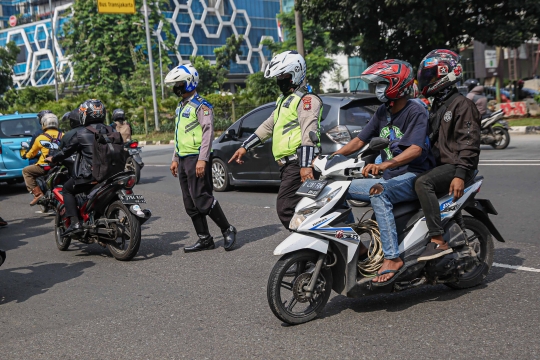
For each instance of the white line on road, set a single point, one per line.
(516, 267)
(502, 160)
(509, 164)
(156, 165)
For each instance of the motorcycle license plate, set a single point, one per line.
(311, 188)
(132, 199)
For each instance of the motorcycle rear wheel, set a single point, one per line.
(296, 268)
(505, 141)
(62, 242)
(132, 165)
(129, 238)
(480, 238)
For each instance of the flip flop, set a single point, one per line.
(392, 279)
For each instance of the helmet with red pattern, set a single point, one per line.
(439, 70)
(393, 78)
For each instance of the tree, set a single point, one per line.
(227, 53)
(8, 59)
(106, 48)
(317, 45)
(261, 90)
(409, 29)
(337, 77)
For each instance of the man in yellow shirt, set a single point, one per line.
(48, 140)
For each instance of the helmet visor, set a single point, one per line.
(427, 76)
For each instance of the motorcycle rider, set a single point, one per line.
(191, 161)
(91, 113)
(405, 123)
(455, 126)
(297, 113)
(74, 123)
(49, 125)
(40, 131)
(476, 94)
(121, 125)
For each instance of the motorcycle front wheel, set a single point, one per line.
(286, 294)
(128, 239)
(504, 140)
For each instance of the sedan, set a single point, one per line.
(343, 117)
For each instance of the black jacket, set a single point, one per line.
(82, 142)
(458, 141)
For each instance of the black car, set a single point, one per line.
(344, 116)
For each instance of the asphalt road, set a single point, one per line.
(166, 304)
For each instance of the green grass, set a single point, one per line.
(164, 137)
(524, 122)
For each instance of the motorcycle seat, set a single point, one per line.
(405, 208)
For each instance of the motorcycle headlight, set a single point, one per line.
(301, 215)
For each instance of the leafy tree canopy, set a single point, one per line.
(107, 48)
(8, 59)
(409, 29)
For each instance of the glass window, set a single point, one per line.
(251, 122)
(18, 128)
(355, 115)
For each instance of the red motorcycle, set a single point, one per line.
(111, 216)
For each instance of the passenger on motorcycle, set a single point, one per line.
(74, 124)
(476, 94)
(405, 123)
(39, 132)
(91, 113)
(50, 137)
(121, 125)
(455, 124)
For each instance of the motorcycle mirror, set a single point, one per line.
(25, 145)
(378, 143)
(231, 133)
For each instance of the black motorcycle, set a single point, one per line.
(134, 162)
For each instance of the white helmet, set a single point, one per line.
(288, 62)
(186, 73)
(49, 121)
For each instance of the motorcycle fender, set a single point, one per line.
(298, 241)
(138, 159)
(480, 210)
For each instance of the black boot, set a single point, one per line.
(74, 227)
(206, 242)
(228, 231)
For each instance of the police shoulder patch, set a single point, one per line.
(447, 116)
(206, 110)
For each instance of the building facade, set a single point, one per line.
(199, 26)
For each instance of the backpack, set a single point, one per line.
(109, 156)
(55, 143)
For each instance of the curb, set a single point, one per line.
(159, 142)
(524, 130)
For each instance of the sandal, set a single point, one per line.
(396, 273)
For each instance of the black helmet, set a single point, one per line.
(118, 114)
(471, 84)
(73, 117)
(92, 111)
(41, 113)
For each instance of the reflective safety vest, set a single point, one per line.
(188, 133)
(287, 135)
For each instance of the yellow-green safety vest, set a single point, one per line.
(287, 135)
(188, 133)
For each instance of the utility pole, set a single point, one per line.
(151, 63)
(161, 69)
(53, 50)
(299, 30)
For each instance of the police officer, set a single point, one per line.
(191, 161)
(297, 113)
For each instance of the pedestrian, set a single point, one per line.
(297, 113)
(192, 157)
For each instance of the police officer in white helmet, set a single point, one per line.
(191, 161)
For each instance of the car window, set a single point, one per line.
(251, 122)
(18, 128)
(325, 111)
(356, 115)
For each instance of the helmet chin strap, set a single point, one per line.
(389, 105)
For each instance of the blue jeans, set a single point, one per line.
(396, 190)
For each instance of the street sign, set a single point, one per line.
(491, 58)
(116, 6)
(12, 20)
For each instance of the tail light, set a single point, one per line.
(131, 182)
(134, 144)
(47, 168)
(339, 134)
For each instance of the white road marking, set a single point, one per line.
(523, 268)
(509, 164)
(157, 165)
(502, 160)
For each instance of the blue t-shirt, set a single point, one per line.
(409, 127)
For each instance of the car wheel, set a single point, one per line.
(220, 175)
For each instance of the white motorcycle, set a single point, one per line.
(496, 136)
(322, 253)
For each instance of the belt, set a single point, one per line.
(287, 159)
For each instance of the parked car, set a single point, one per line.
(14, 129)
(344, 116)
